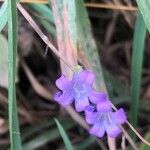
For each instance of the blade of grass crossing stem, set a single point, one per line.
(64, 136)
(15, 140)
(3, 15)
(144, 6)
(136, 72)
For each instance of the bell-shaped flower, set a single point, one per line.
(79, 90)
(104, 119)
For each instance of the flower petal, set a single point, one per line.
(120, 116)
(104, 106)
(97, 97)
(63, 99)
(97, 130)
(113, 131)
(90, 115)
(80, 104)
(62, 83)
(87, 76)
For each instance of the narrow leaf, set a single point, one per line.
(15, 140)
(64, 136)
(3, 15)
(144, 6)
(136, 72)
(87, 45)
(65, 20)
(3, 61)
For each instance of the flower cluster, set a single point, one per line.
(97, 107)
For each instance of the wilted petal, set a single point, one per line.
(120, 116)
(90, 115)
(97, 130)
(97, 97)
(63, 98)
(87, 76)
(104, 106)
(113, 131)
(81, 103)
(62, 83)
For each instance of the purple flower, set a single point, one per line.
(79, 89)
(104, 119)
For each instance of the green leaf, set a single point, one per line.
(64, 136)
(144, 6)
(3, 61)
(43, 10)
(136, 72)
(87, 44)
(15, 140)
(3, 15)
(45, 17)
(47, 136)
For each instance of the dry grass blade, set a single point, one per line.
(111, 6)
(64, 13)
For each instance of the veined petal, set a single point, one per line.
(113, 131)
(81, 103)
(97, 130)
(90, 115)
(87, 76)
(120, 116)
(62, 83)
(63, 98)
(97, 97)
(104, 106)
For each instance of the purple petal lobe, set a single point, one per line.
(113, 131)
(80, 104)
(87, 76)
(62, 83)
(63, 98)
(90, 115)
(120, 116)
(97, 97)
(97, 130)
(104, 106)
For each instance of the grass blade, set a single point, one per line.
(66, 32)
(44, 10)
(136, 72)
(3, 15)
(144, 6)
(87, 45)
(15, 140)
(64, 136)
(45, 17)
